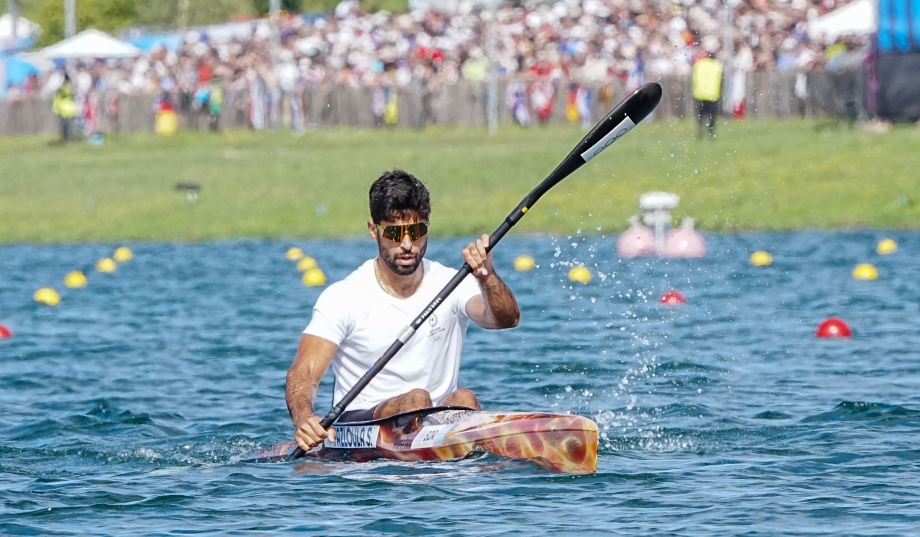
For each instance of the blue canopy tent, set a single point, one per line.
(898, 61)
(146, 43)
(16, 71)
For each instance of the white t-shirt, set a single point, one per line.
(364, 320)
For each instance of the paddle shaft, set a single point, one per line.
(615, 124)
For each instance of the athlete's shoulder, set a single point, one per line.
(439, 275)
(355, 284)
(437, 269)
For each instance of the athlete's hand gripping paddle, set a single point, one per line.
(614, 126)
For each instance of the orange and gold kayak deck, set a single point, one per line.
(559, 442)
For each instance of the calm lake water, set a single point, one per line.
(121, 408)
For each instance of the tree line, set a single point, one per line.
(114, 16)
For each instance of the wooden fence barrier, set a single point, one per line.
(767, 94)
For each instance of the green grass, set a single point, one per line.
(756, 175)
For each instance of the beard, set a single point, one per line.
(391, 258)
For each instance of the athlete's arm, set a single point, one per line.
(496, 306)
(314, 354)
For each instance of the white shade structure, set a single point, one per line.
(857, 18)
(91, 44)
(23, 26)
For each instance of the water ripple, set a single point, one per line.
(123, 409)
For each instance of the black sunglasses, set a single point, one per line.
(396, 232)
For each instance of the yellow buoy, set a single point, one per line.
(75, 279)
(761, 259)
(865, 271)
(105, 265)
(47, 296)
(294, 254)
(306, 263)
(523, 263)
(886, 247)
(123, 254)
(314, 277)
(580, 274)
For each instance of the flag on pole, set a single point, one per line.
(516, 99)
(583, 105)
(542, 93)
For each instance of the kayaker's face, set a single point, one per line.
(404, 255)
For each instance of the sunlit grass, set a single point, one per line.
(755, 175)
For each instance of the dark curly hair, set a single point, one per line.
(396, 194)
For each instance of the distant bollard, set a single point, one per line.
(191, 191)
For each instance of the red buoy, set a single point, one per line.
(5, 332)
(672, 298)
(834, 327)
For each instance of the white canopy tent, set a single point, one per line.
(857, 18)
(453, 6)
(24, 27)
(91, 44)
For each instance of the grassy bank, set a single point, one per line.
(756, 175)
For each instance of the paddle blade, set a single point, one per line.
(619, 121)
(276, 453)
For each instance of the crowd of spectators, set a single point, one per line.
(587, 41)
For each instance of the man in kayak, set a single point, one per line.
(355, 320)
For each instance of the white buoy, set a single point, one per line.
(637, 241)
(684, 241)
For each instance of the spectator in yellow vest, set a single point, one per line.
(707, 88)
(65, 107)
(476, 67)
